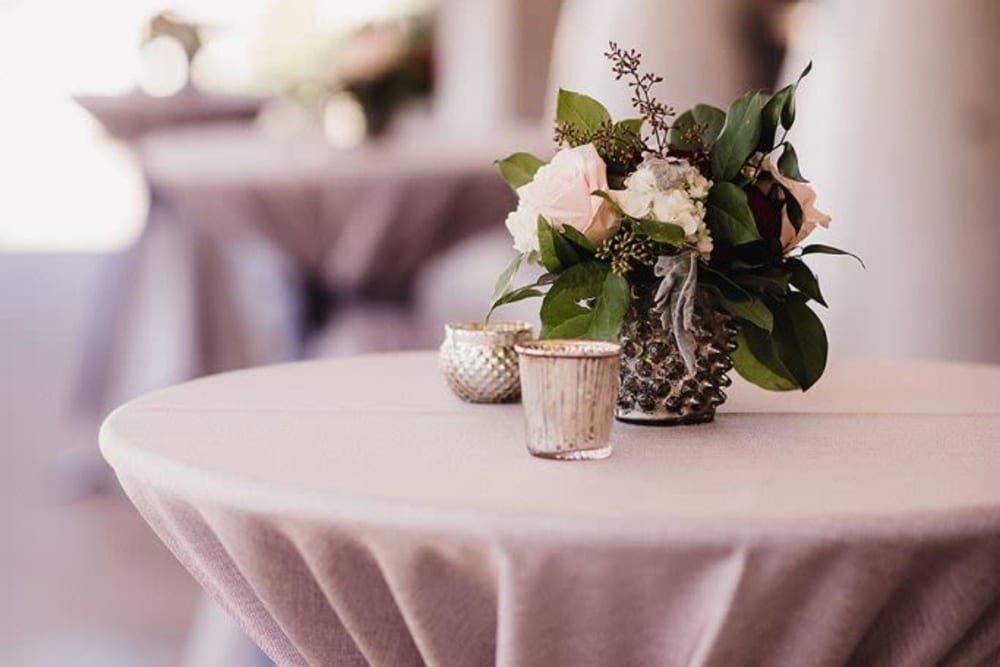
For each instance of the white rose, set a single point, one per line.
(523, 226)
(561, 193)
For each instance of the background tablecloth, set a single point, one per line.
(353, 511)
(255, 242)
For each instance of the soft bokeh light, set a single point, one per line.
(52, 49)
(344, 121)
(55, 146)
(164, 67)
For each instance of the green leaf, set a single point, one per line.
(547, 246)
(606, 196)
(518, 169)
(770, 117)
(788, 164)
(700, 114)
(587, 301)
(662, 232)
(739, 136)
(728, 215)
(580, 111)
(751, 309)
(788, 112)
(629, 126)
(804, 280)
(757, 361)
(734, 299)
(556, 252)
(576, 237)
(794, 212)
(503, 282)
(819, 248)
(775, 283)
(800, 340)
(519, 294)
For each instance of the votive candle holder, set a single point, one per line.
(569, 390)
(479, 362)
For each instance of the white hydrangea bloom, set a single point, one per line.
(671, 191)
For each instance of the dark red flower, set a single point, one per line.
(765, 214)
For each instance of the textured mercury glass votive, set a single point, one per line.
(569, 389)
(479, 362)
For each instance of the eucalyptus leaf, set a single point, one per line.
(700, 114)
(804, 280)
(519, 169)
(662, 232)
(728, 215)
(819, 248)
(580, 111)
(799, 339)
(586, 301)
(788, 164)
(739, 136)
(757, 362)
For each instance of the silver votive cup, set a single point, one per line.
(569, 390)
(479, 362)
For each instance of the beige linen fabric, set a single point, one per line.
(353, 512)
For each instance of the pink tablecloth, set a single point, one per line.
(254, 238)
(353, 511)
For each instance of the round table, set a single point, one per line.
(353, 511)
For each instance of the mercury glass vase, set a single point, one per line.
(656, 387)
(479, 362)
(569, 397)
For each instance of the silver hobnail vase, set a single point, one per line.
(479, 362)
(655, 386)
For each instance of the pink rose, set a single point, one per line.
(806, 197)
(560, 192)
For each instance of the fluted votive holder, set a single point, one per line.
(479, 362)
(569, 390)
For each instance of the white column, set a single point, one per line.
(899, 129)
(476, 64)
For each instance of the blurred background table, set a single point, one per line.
(129, 117)
(263, 247)
(353, 510)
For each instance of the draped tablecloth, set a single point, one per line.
(254, 239)
(352, 511)
(130, 116)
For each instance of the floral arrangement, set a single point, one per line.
(694, 203)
